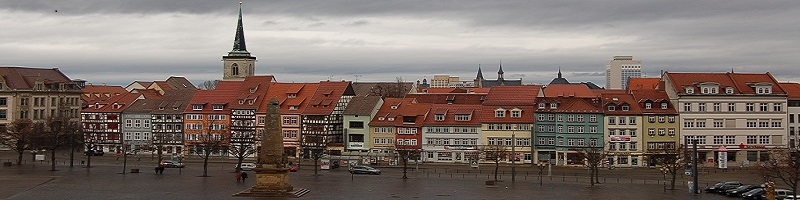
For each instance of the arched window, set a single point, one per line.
(235, 69)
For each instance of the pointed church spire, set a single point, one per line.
(238, 42)
(500, 72)
(480, 74)
(559, 72)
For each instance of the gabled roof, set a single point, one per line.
(792, 89)
(222, 95)
(251, 92)
(448, 98)
(488, 114)
(512, 95)
(148, 93)
(143, 106)
(25, 78)
(93, 93)
(397, 108)
(656, 97)
(174, 102)
(740, 82)
(364, 88)
(115, 104)
(450, 112)
(327, 96)
(571, 105)
(302, 93)
(568, 90)
(619, 100)
(180, 82)
(643, 83)
(362, 105)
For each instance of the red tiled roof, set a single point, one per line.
(740, 82)
(568, 90)
(281, 91)
(148, 93)
(450, 112)
(398, 108)
(792, 89)
(656, 97)
(643, 83)
(222, 95)
(571, 105)
(619, 100)
(93, 93)
(512, 95)
(445, 98)
(116, 103)
(488, 114)
(24, 78)
(253, 89)
(328, 94)
(443, 90)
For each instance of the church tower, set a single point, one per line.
(238, 64)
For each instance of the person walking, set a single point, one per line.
(238, 176)
(244, 177)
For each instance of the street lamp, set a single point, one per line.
(664, 171)
(513, 154)
(541, 168)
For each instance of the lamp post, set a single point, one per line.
(513, 154)
(664, 171)
(541, 168)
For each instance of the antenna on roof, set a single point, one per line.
(731, 70)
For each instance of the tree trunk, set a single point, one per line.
(19, 157)
(205, 163)
(160, 153)
(591, 175)
(53, 160)
(316, 164)
(496, 167)
(405, 165)
(672, 182)
(89, 160)
(239, 163)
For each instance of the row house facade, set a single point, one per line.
(507, 117)
(564, 126)
(450, 133)
(244, 105)
(660, 132)
(101, 117)
(322, 128)
(293, 98)
(397, 125)
(740, 114)
(207, 117)
(37, 94)
(167, 121)
(357, 116)
(623, 128)
(793, 110)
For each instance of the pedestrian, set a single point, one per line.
(244, 177)
(238, 176)
(160, 169)
(156, 169)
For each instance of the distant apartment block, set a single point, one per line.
(619, 69)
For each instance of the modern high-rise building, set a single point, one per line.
(619, 69)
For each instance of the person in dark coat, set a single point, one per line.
(244, 177)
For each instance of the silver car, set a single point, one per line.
(358, 169)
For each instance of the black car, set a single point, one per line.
(94, 153)
(722, 186)
(754, 194)
(736, 192)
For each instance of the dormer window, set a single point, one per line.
(251, 101)
(291, 95)
(648, 105)
(241, 102)
(391, 119)
(394, 107)
(161, 108)
(292, 107)
(664, 105)
(626, 108)
(763, 90)
(516, 113)
(689, 90)
(463, 117)
(500, 113)
(541, 105)
(216, 107)
(439, 117)
(197, 107)
(381, 118)
(253, 89)
(729, 90)
(553, 105)
(612, 108)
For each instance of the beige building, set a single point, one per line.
(619, 69)
(37, 94)
(447, 81)
(741, 114)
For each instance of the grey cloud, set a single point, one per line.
(357, 23)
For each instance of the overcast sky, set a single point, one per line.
(118, 41)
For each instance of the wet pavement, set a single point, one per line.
(105, 181)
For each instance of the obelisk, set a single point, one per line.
(271, 174)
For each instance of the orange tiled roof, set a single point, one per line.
(450, 112)
(619, 100)
(251, 92)
(570, 105)
(445, 98)
(397, 109)
(643, 83)
(512, 95)
(281, 91)
(222, 95)
(93, 93)
(740, 82)
(655, 97)
(568, 90)
(488, 114)
(326, 97)
(113, 104)
(792, 89)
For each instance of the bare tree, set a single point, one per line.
(495, 153)
(397, 89)
(315, 152)
(53, 135)
(210, 141)
(783, 164)
(241, 151)
(406, 153)
(90, 143)
(18, 136)
(593, 157)
(209, 85)
(672, 160)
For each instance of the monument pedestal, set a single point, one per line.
(272, 182)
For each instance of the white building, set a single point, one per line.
(743, 114)
(619, 69)
(793, 108)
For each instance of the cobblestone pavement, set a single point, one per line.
(105, 181)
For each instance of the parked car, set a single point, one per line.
(94, 153)
(172, 164)
(754, 194)
(722, 186)
(247, 166)
(780, 194)
(735, 192)
(358, 169)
